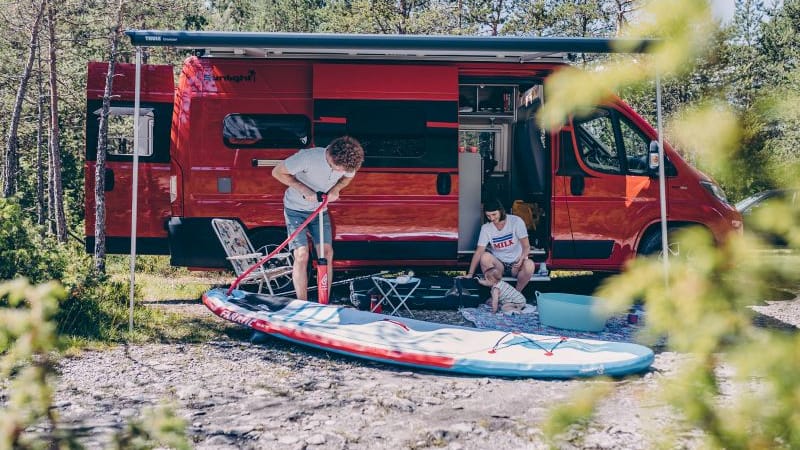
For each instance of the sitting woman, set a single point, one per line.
(503, 245)
(504, 296)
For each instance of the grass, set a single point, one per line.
(162, 307)
(165, 298)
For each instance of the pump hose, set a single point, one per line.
(302, 227)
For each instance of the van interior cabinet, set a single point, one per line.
(486, 99)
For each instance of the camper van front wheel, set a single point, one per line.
(651, 244)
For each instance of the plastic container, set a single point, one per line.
(571, 312)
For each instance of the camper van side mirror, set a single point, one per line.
(653, 160)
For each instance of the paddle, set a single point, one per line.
(302, 226)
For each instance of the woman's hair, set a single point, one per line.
(495, 205)
(346, 152)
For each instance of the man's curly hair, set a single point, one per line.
(347, 153)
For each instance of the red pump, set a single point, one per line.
(322, 263)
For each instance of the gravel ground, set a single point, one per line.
(273, 394)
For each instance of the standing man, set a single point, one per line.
(305, 173)
(510, 247)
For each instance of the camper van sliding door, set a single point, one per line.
(403, 204)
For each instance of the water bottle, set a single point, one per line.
(375, 304)
(633, 318)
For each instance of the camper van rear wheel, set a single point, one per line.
(266, 241)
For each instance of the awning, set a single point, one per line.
(320, 45)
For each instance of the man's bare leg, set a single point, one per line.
(299, 272)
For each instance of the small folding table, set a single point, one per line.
(388, 289)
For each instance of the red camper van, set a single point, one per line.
(442, 131)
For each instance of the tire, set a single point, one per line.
(651, 244)
(267, 240)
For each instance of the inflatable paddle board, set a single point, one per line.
(427, 345)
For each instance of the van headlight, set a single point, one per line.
(715, 190)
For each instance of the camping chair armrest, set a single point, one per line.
(247, 256)
(281, 255)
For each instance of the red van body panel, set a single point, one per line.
(157, 91)
(619, 209)
(403, 214)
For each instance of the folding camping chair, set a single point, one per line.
(277, 270)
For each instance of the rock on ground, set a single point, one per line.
(235, 394)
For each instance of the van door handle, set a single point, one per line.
(265, 162)
(577, 185)
(443, 184)
(109, 176)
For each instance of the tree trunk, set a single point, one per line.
(56, 187)
(102, 146)
(11, 167)
(41, 207)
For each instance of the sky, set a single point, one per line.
(723, 9)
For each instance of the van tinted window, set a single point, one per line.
(608, 142)
(266, 131)
(120, 131)
(636, 147)
(596, 142)
(394, 133)
(155, 120)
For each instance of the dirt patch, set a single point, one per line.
(273, 394)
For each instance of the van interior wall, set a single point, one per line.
(514, 157)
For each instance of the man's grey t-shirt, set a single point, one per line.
(311, 168)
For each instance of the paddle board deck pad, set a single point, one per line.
(427, 345)
(432, 293)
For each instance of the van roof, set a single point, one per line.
(382, 46)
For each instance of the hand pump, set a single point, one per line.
(322, 263)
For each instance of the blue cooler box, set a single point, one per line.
(570, 311)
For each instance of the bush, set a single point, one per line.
(28, 368)
(24, 248)
(95, 308)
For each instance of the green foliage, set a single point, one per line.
(28, 340)
(23, 249)
(96, 307)
(701, 304)
(159, 426)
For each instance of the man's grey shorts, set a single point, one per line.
(296, 218)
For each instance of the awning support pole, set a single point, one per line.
(662, 189)
(135, 179)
